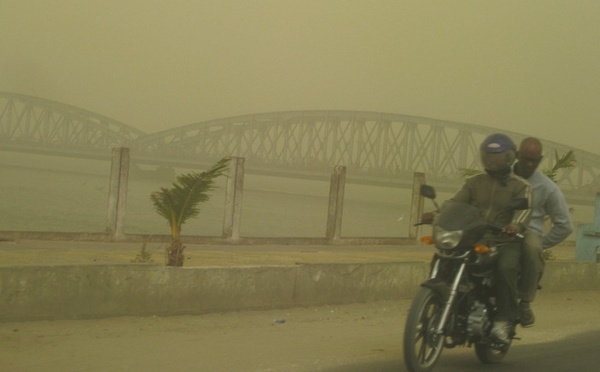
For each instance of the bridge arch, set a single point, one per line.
(374, 146)
(34, 123)
(380, 145)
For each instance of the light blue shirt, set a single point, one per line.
(548, 200)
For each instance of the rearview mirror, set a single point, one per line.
(427, 191)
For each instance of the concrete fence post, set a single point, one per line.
(233, 199)
(117, 193)
(416, 209)
(336, 202)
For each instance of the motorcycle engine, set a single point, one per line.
(478, 322)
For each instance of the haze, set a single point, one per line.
(527, 66)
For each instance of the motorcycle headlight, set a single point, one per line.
(446, 239)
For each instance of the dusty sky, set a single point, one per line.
(527, 66)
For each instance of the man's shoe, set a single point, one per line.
(526, 317)
(501, 331)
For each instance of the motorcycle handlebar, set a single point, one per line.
(421, 223)
(500, 229)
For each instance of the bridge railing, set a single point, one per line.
(377, 148)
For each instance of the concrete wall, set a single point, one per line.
(72, 292)
(570, 276)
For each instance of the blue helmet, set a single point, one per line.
(498, 152)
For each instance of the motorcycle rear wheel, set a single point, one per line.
(490, 354)
(422, 345)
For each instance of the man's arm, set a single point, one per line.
(558, 211)
(464, 194)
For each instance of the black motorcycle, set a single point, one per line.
(456, 305)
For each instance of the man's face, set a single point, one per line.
(529, 158)
(495, 162)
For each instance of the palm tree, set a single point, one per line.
(566, 161)
(181, 202)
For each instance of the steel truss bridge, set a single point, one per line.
(379, 148)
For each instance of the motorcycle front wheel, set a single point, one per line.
(422, 345)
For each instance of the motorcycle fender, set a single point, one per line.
(438, 286)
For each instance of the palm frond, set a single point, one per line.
(165, 206)
(163, 203)
(181, 202)
(566, 161)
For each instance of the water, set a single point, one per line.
(45, 193)
(41, 193)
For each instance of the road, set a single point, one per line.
(359, 337)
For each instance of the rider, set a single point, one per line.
(492, 191)
(548, 201)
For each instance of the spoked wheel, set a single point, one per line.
(422, 346)
(491, 353)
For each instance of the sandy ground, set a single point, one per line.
(37, 252)
(359, 337)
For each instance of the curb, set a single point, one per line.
(100, 291)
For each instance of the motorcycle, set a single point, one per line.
(456, 305)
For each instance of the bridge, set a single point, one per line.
(377, 148)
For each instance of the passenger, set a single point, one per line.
(548, 201)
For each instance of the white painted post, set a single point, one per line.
(233, 199)
(336, 202)
(117, 193)
(416, 208)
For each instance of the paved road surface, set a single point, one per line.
(361, 337)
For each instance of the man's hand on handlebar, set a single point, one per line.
(426, 218)
(512, 230)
